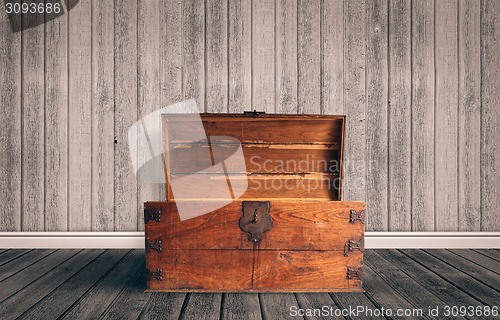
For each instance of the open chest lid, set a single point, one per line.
(253, 156)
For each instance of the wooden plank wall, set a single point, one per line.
(419, 82)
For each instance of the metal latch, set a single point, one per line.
(152, 215)
(353, 273)
(357, 216)
(156, 274)
(256, 219)
(253, 114)
(352, 245)
(153, 245)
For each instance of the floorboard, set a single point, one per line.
(22, 262)
(476, 289)
(110, 284)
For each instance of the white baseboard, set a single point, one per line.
(135, 240)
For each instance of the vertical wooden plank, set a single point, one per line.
(33, 93)
(148, 84)
(354, 99)
(332, 53)
(309, 54)
(170, 57)
(469, 116)
(376, 115)
(446, 116)
(194, 51)
(422, 116)
(126, 207)
(399, 116)
(80, 115)
(286, 56)
(102, 115)
(216, 56)
(171, 51)
(490, 116)
(10, 126)
(263, 54)
(240, 59)
(56, 124)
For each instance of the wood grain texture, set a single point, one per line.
(125, 114)
(446, 116)
(305, 270)
(193, 270)
(286, 56)
(162, 304)
(43, 285)
(58, 301)
(490, 115)
(314, 301)
(148, 87)
(56, 124)
(9, 268)
(33, 125)
(203, 305)
(309, 63)
(193, 51)
(276, 306)
(240, 55)
(422, 117)
(354, 101)
(103, 97)
(376, 114)
(241, 306)
(10, 127)
(80, 117)
(263, 56)
(469, 116)
(216, 82)
(100, 296)
(399, 184)
(332, 57)
(296, 226)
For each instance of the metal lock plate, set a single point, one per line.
(256, 219)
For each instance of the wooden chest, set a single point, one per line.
(283, 229)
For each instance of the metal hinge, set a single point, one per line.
(353, 273)
(157, 274)
(353, 245)
(153, 245)
(152, 214)
(357, 216)
(254, 113)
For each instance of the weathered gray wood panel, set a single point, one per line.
(376, 114)
(263, 55)
(399, 116)
(56, 124)
(33, 109)
(148, 79)
(446, 143)
(469, 116)
(354, 184)
(125, 106)
(103, 116)
(10, 127)
(490, 116)
(216, 56)
(308, 62)
(422, 115)
(80, 117)
(286, 56)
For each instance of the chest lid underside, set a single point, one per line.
(253, 157)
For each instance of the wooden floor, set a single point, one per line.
(109, 284)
